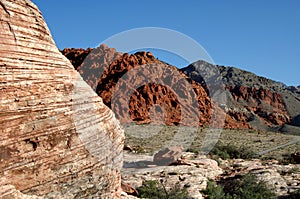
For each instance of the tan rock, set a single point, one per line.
(57, 137)
(193, 177)
(281, 178)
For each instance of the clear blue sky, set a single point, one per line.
(259, 36)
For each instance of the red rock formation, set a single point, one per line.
(104, 68)
(58, 140)
(269, 106)
(111, 66)
(166, 98)
(76, 56)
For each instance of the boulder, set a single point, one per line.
(168, 156)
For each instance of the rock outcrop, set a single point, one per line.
(283, 179)
(158, 89)
(58, 139)
(257, 101)
(252, 101)
(267, 105)
(76, 56)
(193, 172)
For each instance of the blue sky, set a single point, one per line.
(259, 36)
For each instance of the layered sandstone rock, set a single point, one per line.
(58, 139)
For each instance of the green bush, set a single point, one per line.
(246, 187)
(231, 151)
(155, 190)
(287, 159)
(295, 195)
(214, 191)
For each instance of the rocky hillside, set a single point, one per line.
(252, 101)
(105, 69)
(54, 142)
(263, 103)
(111, 66)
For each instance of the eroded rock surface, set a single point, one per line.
(152, 90)
(283, 179)
(252, 101)
(58, 139)
(191, 173)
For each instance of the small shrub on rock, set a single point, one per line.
(295, 195)
(246, 187)
(156, 190)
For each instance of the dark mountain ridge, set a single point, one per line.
(265, 102)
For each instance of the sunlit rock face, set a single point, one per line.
(58, 139)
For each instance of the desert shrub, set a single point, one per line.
(287, 159)
(155, 190)
(295, 195)
(193, 150)
(231, 151)
(246, 187)
(214, 191)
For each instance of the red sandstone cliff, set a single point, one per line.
(154, 96)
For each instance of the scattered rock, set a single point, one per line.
(129, 190)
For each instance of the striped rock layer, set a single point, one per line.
(58, 139)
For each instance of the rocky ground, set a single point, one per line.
(194, 171)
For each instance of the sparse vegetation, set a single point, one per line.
(287, 159)
(214, 191)
(156, 190)
(295, 195)
(247, 187)
(251, 140)
(231, 151)
(291, 171)
(192, 150)
(139, 149)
